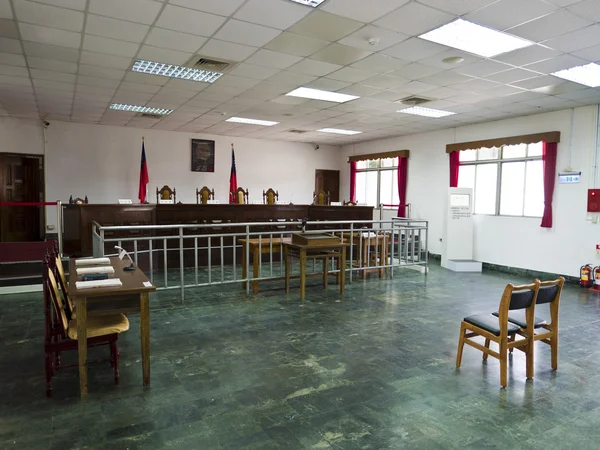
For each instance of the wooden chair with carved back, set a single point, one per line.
(204, 195)
(165, 193)
(321, 198)
(101, 330)
(240, 196)
(78, 200)
(270, 196)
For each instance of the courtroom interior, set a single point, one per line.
(299, 224)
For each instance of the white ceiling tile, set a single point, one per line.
(446, 78)
(537, 82)
(414, 87)
(360, 90)
(576, 40)
(140, 11)
(363, 38)
(12, 59)
(139, 87)
(134, 98)
(511, 75)
(246, 33)
(176, 94)
(296, 44)
(71, 4)
(56, 85)
(295, 79)
(362, 10)
(50, 16)
(95, 81)
(226, 50)
(115, 29)
(82, 89)
(555, 64)
(51, 64)
(14, 71)
(325, 26)
(273, 59)
(482, 68)
(414, 18)
(380, 63)
(52, 36)
(458, 7)
(387, 95)
(10, 46)
(549, 26)
(189, 21)
(102, 72)
(156, 80)
(186, 84)
(590, 53)
(340, 54)
(328, 84)
(475, 85)
(385, 81)
(509, 13)
(442, 93)
(415, 71)
(237, 81)
(8, 29)
(314, 67)
(589, 9)
(527, 55)
(272, 13)
(351, 74)
(101, 59)
(109, 46)
(51, 52)
(5, 10)
(253, 71)
(414, 49)
(174, 40)
(221, 7)
(437, 60)
(163, 55)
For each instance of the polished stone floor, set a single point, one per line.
(372, 370)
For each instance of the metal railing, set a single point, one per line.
(212, 254)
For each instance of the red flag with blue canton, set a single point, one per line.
(144, 179)
(232, 178)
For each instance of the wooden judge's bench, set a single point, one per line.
(77, 240)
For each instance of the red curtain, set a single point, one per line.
(402, 183)
(454, 166)
(549, 158)
(353, 181)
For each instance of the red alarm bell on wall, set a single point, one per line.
(593, 200)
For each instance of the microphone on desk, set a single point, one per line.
(122, 253)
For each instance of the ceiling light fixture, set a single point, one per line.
(474, 38)
(426, 112)
(313, 3)
(453, 60)
(338, 131)
(588, 75)
(140, 109)
(171, 71)
(264, 123)
(317, 94)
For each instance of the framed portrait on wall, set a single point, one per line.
(203, 155)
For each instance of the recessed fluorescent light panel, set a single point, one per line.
(426, 112)
(588, 75)
(474, 38)
(313, 3)
(264, 123)
(171, 71)
(338, 131)
(140, 109)
(317, 94)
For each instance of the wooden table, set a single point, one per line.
(367, 240)
(265, 247)
(132, 296)
(312, 251)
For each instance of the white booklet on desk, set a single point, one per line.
(92, 262)
(110, 282)
(95, 269)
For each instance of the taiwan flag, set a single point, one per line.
(143, 176)
(232, 178)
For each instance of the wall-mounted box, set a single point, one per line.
(593, 200)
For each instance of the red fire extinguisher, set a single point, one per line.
(585, 276)
(596, 277)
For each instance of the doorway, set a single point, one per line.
(21, 180)
(328, 181)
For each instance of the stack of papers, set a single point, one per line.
(92, 262)
(111, 282)
(95, 269)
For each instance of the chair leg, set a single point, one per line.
(554, 350)
(487, 345)
(461, 344)
(114, 359)
(529, 359)
(503, 364)
(510, 339)
(49, 373)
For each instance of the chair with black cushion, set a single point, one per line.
(498, 329)
(204, 195)
(270, 196)
(78, 200)
(240, 196)
(166, 193)
(321, 198)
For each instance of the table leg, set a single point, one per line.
(342, 270)
(325, 271)
(81, 308)
(255, 256)
(365, 260)
(302, 274)
(286, 255)
(145, 335)
(244, 266)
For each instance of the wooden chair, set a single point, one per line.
(60, 333)
(204, 195)
(498, 328)
(269, 196)
(165, 193)
(55, 264)
(240, 196)
(78, 201)
(321, 198)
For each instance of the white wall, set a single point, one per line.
(510, 241)
(21, 136)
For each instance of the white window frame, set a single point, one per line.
(498, 161)
(380, 169)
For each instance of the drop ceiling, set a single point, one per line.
(70, 59)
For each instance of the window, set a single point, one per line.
(377, 181)
(506, 181)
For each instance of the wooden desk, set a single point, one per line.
(265, 247)
(323, 251)
(132, 296)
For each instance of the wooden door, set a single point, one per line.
(21, 181)
(328, 181)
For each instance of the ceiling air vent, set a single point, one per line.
(211, 65)
(414, 100)
(297, 131)
(151, 116)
